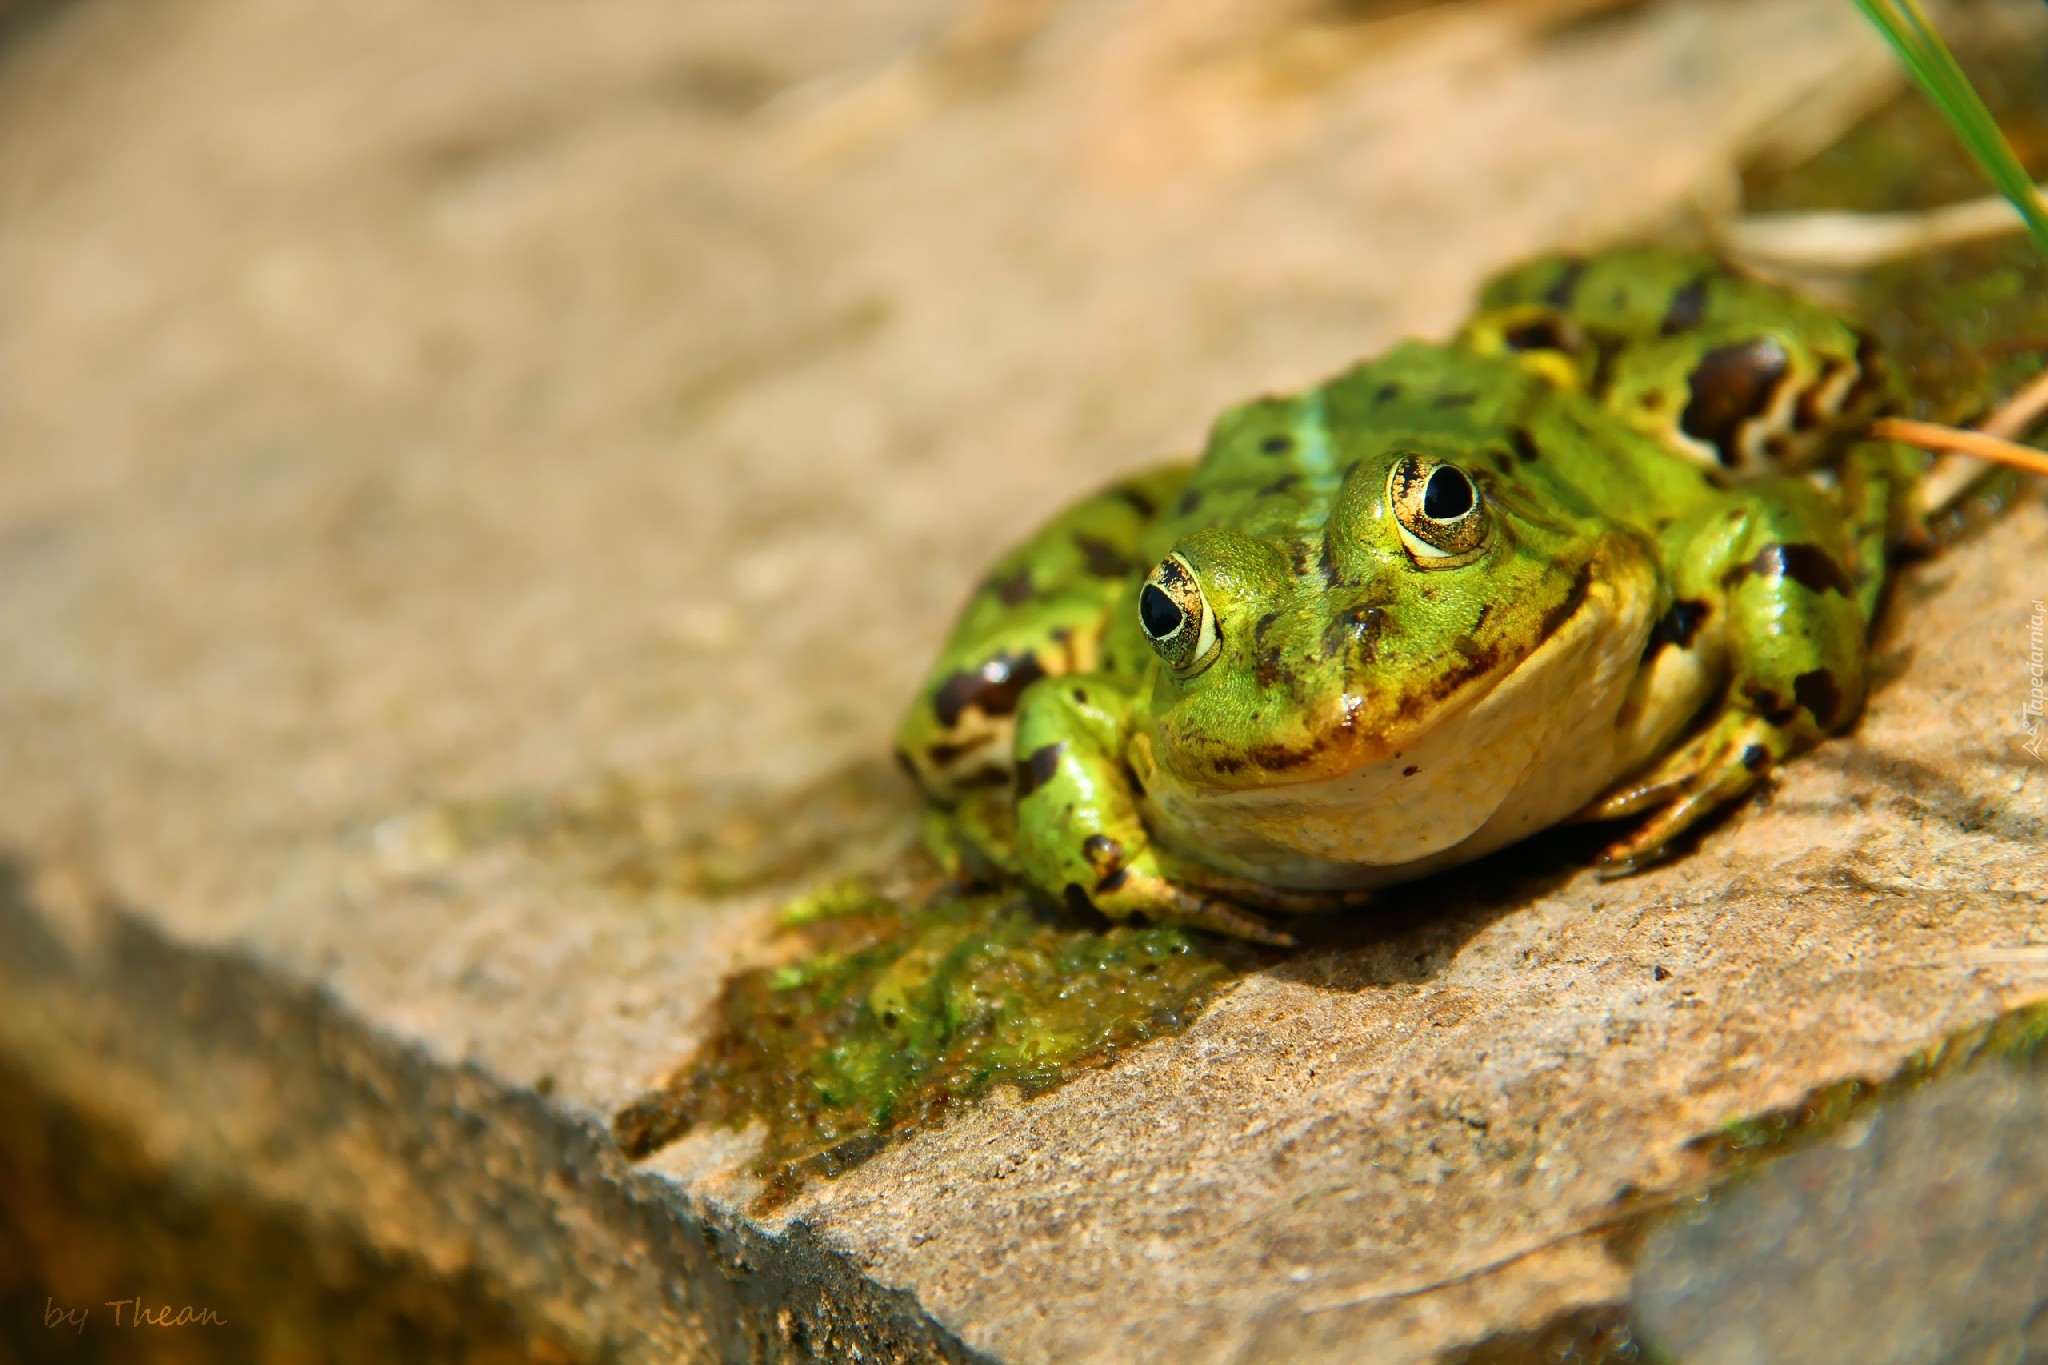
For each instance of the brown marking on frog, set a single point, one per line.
(1106, 856)
(1137, 499)
(1819, 692)
(1038, 768)
(1679, 626)
(991, 689)
(1730, 387)
(1803, 562)
(1565, 286)
(1101, 558)
(1012, 590)
(1769, 704)
(945, 755)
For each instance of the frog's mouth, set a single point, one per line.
(1366, 725)
(1505, 747)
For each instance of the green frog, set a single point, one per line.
(1611, 552)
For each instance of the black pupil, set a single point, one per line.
(1160, 614)
(1448, 495)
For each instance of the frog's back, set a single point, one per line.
(1272, 466)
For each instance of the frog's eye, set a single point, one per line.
(1176, 617)
(1438, 508)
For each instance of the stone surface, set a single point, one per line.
(409, 405)
(1919, 1234)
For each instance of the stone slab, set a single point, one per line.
(408, 405)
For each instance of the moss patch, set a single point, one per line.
(896, 1005)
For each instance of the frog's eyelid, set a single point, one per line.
(1419, 547)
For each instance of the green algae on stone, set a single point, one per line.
(896, 1007)
(2019, 1037)
(1966, 327)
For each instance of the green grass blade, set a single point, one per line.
(1933, 68)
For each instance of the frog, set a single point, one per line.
(1610, 552)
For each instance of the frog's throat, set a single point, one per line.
(1513, 751)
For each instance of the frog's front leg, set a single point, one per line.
(1778, 562)
(1080, 836)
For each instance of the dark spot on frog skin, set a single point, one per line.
(1804, 563)
(1769, 704)
(1102, 559)
(1525, 445)
(909, 768)
(1357, 630)
(1543, 334)
(1190, 502)
(992, 689)
(1410, 770)
(1605, 351)
(1106, 856)
(1455, 400)
(1485, 610)
(1279, 443)
(1136, 499)
(946, 755)
(1284, 484)
(1679, 625)
(1688, 308)
(1386, 393)
(1821, 695)
(1077, 899)
(1326, 566)
(1472, 663)
(1562, 289)
(1730, 386)
(1038, 769)
(1279, 758)
(1080, 697)
(1557, 615)
(1756, 758)
(1266, 669)
(1869, 385)
(1014, 590)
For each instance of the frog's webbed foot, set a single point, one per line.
(1724, 763)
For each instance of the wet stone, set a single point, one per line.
(1917, 1234)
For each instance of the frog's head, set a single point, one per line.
(1303, 652)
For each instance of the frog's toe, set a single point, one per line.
(1165, 902)
(1726, 763)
